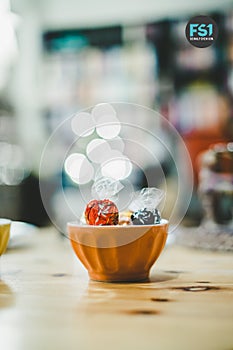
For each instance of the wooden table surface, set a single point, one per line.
(48, 302)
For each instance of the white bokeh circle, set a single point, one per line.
(118, 167)
(98, 150)
(107, 124)
(108, 128)
(83, 124)
(103, 109)
(79, 168)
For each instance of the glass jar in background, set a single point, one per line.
(216, 187)
(215, 190)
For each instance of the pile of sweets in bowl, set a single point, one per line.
(142, 210)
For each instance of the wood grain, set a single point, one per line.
(48, 302)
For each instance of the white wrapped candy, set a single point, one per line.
(148, 198)
(106, 187)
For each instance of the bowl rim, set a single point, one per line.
(4, 221)
(105, 227)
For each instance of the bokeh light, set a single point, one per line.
(118, 167)
(13, 167)
(83, 124)
(103, 109)
(98, 150)
(107, 124)
(107, 127)
(79, 168)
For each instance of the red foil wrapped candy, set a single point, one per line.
(101, 212)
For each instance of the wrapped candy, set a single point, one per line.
(125, 218)
(101, 212)
(142, 210)
(106, 187)
(146, 217)
(144, 207)
(149, 198)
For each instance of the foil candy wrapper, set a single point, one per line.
(149, 198)
(106, 187)
(146, 217)
(101, 212)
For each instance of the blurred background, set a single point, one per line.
(58, 57)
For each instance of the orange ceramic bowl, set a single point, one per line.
(118, 253)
